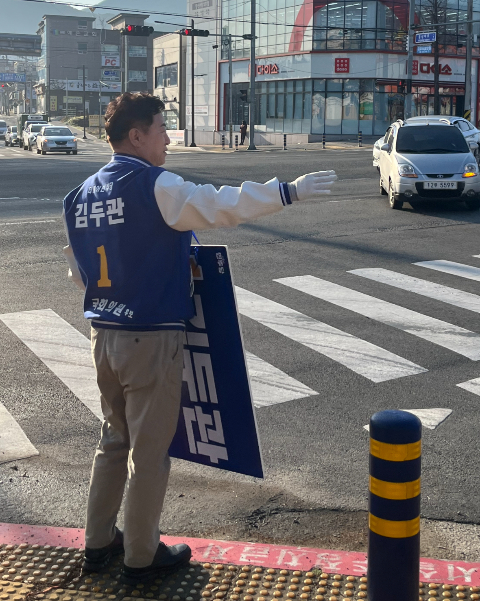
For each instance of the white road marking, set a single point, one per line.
(271, 385)
(364, 358)
(13, 442)
(29, 222)
(445, 294)
(472, 386)
(63, 349)
(447, 335)
(463, 271)
(66, 352)
(430, 418)
(10, 198)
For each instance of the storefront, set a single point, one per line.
(340, 104)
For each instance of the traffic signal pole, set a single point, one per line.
(193, 87)
(410, 33)
(253, 69)
(468, 63)
(230, 98)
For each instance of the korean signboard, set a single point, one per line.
(13, 77)
(72, 100)
(76, 85)
(112, 60)
(199, 110)
(217, 424)
(137, 51)
(425, 37)
(53, 103)
(111, 75)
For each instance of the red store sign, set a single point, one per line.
(427, 68)
(271, 69)
(342, 65)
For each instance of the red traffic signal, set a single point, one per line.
(138, 30)
(194, 32)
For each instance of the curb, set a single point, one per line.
(247, 553)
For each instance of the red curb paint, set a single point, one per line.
(268, 556)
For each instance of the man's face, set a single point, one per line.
(155, 141)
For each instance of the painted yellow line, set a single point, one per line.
(395, 452)
(392, 529)
(397, 491)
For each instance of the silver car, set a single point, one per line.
(428, 161)
(469, 131)
(3, 129)
(56, 139)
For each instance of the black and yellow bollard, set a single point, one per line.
(284, 141)
(394, 506)
(236, 141)
(223, 142)
(360, 139)
(323, 140)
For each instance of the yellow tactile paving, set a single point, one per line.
(33, 572)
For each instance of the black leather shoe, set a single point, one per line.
(97, 559)
(167, 559)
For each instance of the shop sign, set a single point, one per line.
(199, 110)
(111, 61)
(342, 65)
(269, 69)
(109, 49)
(425, 37)
(13, 77)
(53, 103)
(72, 100)
(177, 136)
(137, 51)
(111, 75)
(424, 49)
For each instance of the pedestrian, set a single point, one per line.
(129, 229)
(243, 132)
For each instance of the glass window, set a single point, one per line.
(82, 23)
(334, 85)
(319, 85)
(366, 85)
(289, 106)
(80, 73)
(351, 85)
(280, 86)
(271, 106)
(171, 119)
(289, 86)
(307, 85)
(298, 112)
(318, 112)
(281, 106)
(166, 76)
(82, 48)
(333, 113)
(299, 85)
(431, 139)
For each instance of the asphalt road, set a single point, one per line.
(315, 448)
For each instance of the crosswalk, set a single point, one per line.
(66, 352)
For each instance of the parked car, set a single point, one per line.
(11, 137)
(3, 129)
(418, 160)
(469, 131)
(56, 139)
(30, 133)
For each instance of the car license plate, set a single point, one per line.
(440, 185)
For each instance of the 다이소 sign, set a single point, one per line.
(216, 426)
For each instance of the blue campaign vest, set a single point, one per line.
(135, 268)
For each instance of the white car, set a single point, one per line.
(53, 138)
(30, 133)
(3, 128)
(469, 131)
(428, 161)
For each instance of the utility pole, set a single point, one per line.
(125, 67)
(66, 92)
(410, 36)
(193, 87)
(230, 92)
(84, 111)
(253, 69)
(47, 90)
(468, 63)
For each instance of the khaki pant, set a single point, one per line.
(140, 377)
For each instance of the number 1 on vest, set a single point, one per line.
(103, 282)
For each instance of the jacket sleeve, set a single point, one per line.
(186, 206)
(73, 271)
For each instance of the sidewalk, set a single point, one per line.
(317, 146)
(38, 562)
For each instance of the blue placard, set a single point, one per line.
(217, 424)
(13, 77)
(424, 49)
(425, 37)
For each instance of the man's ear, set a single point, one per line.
(134, 137)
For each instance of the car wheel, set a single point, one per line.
(68, 152)
(392, 200)
(473, 204)
(383, 192)
(74, 152)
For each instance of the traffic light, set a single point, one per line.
(401, 86)
(203, 33)
(138, 30)
(244, 95)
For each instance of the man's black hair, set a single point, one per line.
(128, 111)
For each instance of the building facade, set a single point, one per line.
(327, 67)
(112, 63)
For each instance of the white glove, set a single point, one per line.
(311, 185)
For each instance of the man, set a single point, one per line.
(129, 230)
(243, 132)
